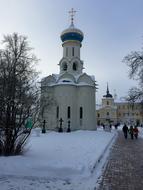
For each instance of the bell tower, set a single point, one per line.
(71, 43)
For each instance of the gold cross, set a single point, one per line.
(72, 14)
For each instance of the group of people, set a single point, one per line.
(132, 131)
(110, 126)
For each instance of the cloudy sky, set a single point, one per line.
(112, 29)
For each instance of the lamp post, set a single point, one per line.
(43, 127)
(68, 129)
(60, 128)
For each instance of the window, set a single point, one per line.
(107, 113)
(57, 112)
(98, 115)
(81, 113)
(74, 66)
(68, 112)
(66, 81)
(66, 51)
(72, 51)
(107, 103)
(65, 66)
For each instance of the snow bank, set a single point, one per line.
(59, 155)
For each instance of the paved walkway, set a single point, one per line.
(124, 171)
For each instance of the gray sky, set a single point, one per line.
(112, 29)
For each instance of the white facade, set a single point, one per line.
(69, 95)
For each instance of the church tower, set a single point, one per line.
(70, 95)
(107, 114)
(108, 99)
(71, 43)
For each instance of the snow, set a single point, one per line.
(64, 80)
(58, 161)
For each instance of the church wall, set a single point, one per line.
(66, 95)
(75, 97)
(86, 99)
(50, 118)
(48, 108)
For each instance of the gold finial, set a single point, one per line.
(72, 14)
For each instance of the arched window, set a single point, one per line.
(57, 112)
(74, 66)
(81, 113)
(68, 112)
(107, 103)
(65, 66)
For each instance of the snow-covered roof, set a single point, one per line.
(69, 79)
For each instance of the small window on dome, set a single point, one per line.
(65, 66)
(74, 66)
(66, 81)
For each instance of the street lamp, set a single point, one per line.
(68, 129)
(60, 128)
(43, 127)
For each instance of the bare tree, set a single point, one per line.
(135, 62)
(18, 93)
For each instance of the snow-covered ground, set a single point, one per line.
(58, 161)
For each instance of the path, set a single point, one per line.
(124, 171)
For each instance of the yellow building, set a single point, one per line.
(112, 111)
(128, 112)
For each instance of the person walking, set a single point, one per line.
(136, 131)
(125, 131)
(131, 131)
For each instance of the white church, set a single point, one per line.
(68, 98)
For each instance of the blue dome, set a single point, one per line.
(72, 33)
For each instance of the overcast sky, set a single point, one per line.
(112, 29)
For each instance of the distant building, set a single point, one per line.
(112, 111)
(128, 112)
(69, 97)
(107, 112)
